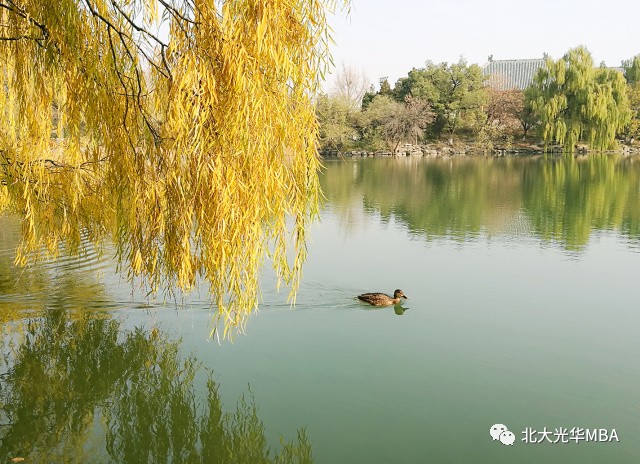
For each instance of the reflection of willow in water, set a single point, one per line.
(68, 283)
(567, 199)
(87, 391)
(558, 198)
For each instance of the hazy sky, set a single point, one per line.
(390, 37)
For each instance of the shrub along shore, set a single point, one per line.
(445, 150)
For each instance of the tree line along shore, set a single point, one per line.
(570, 106)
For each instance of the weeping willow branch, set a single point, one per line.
(189, 149)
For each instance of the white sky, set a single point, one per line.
(390, 37)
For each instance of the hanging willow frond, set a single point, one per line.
(577, 102)
(183, 131)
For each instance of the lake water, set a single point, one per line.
(524, 310)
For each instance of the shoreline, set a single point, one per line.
(444, 150)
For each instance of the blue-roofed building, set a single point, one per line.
(511, 74)
(516, 74)
(620, 69)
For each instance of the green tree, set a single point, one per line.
(632, 130)
(385, 89)
(455, 92)
(368, 97)
(525, 113)
(336, 118)
(183, 150)
(632, 69)
(577, 102)
(632, 75)
(381, 109)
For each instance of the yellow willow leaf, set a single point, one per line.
(136, 263)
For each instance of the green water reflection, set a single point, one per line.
(561, 199)
(78, 388)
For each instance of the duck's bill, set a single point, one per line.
(405, 297)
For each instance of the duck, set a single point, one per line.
(382, 299)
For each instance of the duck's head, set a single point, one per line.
(400, 294)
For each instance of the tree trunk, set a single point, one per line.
(395, 149)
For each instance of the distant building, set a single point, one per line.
(511, 74)
(620, 69)
(517, 74)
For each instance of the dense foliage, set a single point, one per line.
(455, 92)
(435, 100)
(183, 130)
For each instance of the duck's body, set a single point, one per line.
(382, 299)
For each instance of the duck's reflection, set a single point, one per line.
(399, 310)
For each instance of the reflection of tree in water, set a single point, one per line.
(434, 198)
(562, 199)
(567, 199)
(87, 391)
(69, 283)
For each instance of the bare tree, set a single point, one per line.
(351, 85)
(501, 109)
(408, 123)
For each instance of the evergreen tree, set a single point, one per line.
(455, 92)
(368, 97)
(632, 69)
(385, 89)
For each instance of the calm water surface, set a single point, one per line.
(522, 275)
